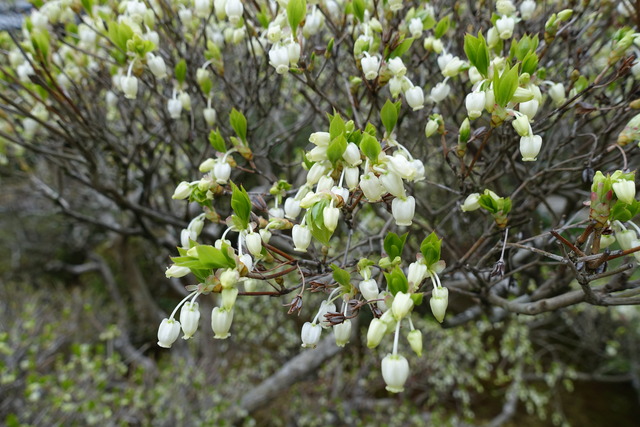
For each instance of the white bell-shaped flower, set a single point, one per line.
(393, 184)
(301, 237)
(415, 98)
(279, 58)
(342, 333)
(397, 67)
(340, 191)
(475, 102)
(439, 92)
(229, 278)
(189, 318)
(234, 9)
(351, 177)
(182, 191)
(168, 332)
(416, 27)
(254, 243)
(371, 187)
(395, 86)
(416, 273)
(210, 116)
(352, 154)
(521, 125)
(403, 210)
(505, 26)
(369, 289)
(321, 139)
(222, 171)
(401, 166)
(505, 7)
(395, 371)
(375, 333)
(129, 86)
(527, 8)
(202, 8)
(156, 65)
(310, 335)
(316, 172)
(177, 271)
(529, 108)
(370, 65)
(174, 106)
(325, 183)
(530, 147)
(557, 94)
(438, 302)
(325, 307)
(229, 296)
(291, 208)
(221, 320)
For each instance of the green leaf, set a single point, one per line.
(180, 71)
(402, 48)
(263, 19)
(430, 249)
(505, 86)
(315, 221)
(358, 9)
(241, 204)
(417, 299)
(217, 142)
(211, 257)
(530, 63)
(442, 27)
(336, 149)
(394, 244)
(341, 276)
(88, 6)
(296, 11)
(488, 203)
(370, 146)
(397, 281)
(482, 56)
(239, 124)
(119, 34)
(389, 116)
(336, 127)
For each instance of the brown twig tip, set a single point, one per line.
(567, 243)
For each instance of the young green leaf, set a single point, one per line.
(341, 276)
(442, 27)
(181, 71)
(505, 85)
(211, 257)
(239, 124)
(370, 146)
(397, 281)
(389, 116)
(296, 11)
(217, 142)
(401, 48)
(358, 9)
(430, 249)
(394, 244)
(315, 221)
(336, 127)
(241, 204)
(336, 149)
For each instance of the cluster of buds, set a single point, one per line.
(498, 207)
(613, 198)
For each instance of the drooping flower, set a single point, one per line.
(168, 332)
(395, 371)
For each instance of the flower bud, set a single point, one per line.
(352, 154)
(321, 139)
(402, 305)
(625, 190)
(438, 302)
(416, 273)
(395, 86)
(301, 237)
(176, 271)
(342, 333)
(376, 331)
(395, 371)
(310, 335)
(185, 100)
(183, 190)
(415, 341)
(557, 94)
(431, 128)
(351, 177)
(210, 116)
(221, 320)
(471, 203)
(316, 172)
(265, 235)
(521, 125)
(168, 332)
(229, 296)
(403, 210)
(330, 216)
(229, 278)
(530, 147)
(505, 7)
(207, 165)
(189, 318)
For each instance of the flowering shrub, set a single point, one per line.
(414, 113)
